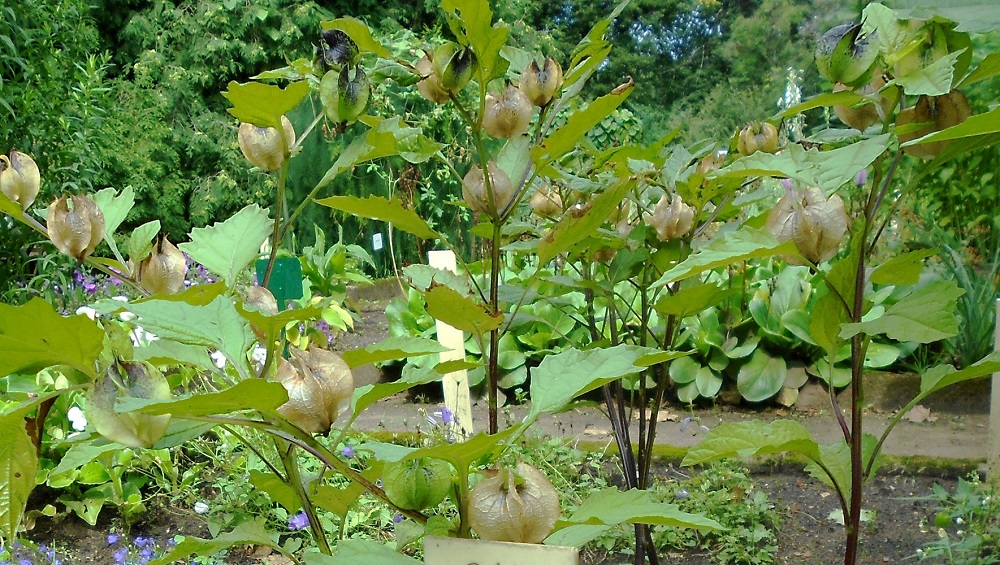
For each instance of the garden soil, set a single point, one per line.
(942, 440)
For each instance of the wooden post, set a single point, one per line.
(456, 384)
(993, 457)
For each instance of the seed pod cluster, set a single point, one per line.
(318, 383)
(540, 85)
(263, 146)
(19, 178)
(935, 113)
(134, 380)
(671, 218)
(163, 271)
(516, 505)
(415, 484)
(75, 225)
(507, 114)
(476, 195)
(757, 137)
(816, 224)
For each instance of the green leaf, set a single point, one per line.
(734, 247)
(836, 458)
(359, 33)
(973, 16)
(463, 454)
(250, 394)
(926, 315)
(565, 138)
(378, 208)
(34, 336)
(762, 377)
(166, 352)
(264, 104)
(827, 99)
(365, 396)
(828, 170)
(478, 31)
(247, 533)
(279, 491)
(980, 124)
(18, 465)
(750, 439)
(337, 500)
(990, 67)
(227, 248)
(692, 299)
(353, 551)
(903, 269)
(180, 432)
(934, 79)
(140, 242)
(80, 454)
(391, 349)
(216, 325)
(11, 208)
(460, 312)
(272, 325)
(572, 230)
(115, 208)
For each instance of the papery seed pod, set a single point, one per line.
(935, 113)
(337, 49)
(260, 299)
(709, 163)
(263, 147)
(757, 137)
(546, 202)
(163, 271)
(19, 178)
(516, 505)
(476, 196)
(128, 379)
(75, 226)
(318, 383)
(415, 484)
(671, 218)
(345, 94)
(429, 85)
(454, 66)
(816, 224)
(541, 84)
(861, 116)
(844, 55)
(507, 114)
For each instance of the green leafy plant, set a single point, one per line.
(967, 524)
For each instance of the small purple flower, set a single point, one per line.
(397, 518)
(90, 287)
(447, 417)
(120, 556)
(348, 451)
(141, 541)
(299, 521)
(787, 183)
(861, 178)
(25, 561)
(113, 539)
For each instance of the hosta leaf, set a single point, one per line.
(247, 533)
(18, 465)
(34, 336)
(762, 377)
(391, 349)
(924, 316)
(227, 248)
(460, 311)
(378, 208)
(264, 104)
(734, 247)
(749, 439)
(359, 33)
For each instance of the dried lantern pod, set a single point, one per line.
(671, 218)
(429, 85)
(135, 380)
(318, 383)
(816, 224)
(163, 271)
(476, 195)
(19, 178)
(515, 505)
(757, 137)
(507, 114)
(75, 226)
(546, 202)
(540, 85)
(263, 146)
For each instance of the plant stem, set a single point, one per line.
(277, 236)
(294, 480)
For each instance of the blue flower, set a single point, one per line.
(299, 521)
(120, 555)
(113, 539)
(348, 451)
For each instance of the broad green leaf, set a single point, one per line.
(365, 396)
(827, 99)
(337, 500)
(140, 242)
(572, 230)
(34, 336)
(828, 170)
(227, 248)
(762, 377)
(391, 349)
(279, 491)
(180, 432)
(216, 325)
(114, 207)
(750, 439)
(423, 277)
(903, 269)
(264, 104)
(826, 317)
(11, 208)
(359, 33)
(249, 394)
(165, 352)
(387, 452)
(836, 458)
(924, 316)
(562, 377)
(378, 208)
(934, 79)
(973, 16)
(247, 533)
(979, 124)
(354, 551)
(460, 312)
(272, 325)
(18, 465)
(82, 453)
(942, 376)
(692, 299)
(565, 138)
(990, 67)
(734, 247)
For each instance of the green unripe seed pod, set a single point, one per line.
(415, 484)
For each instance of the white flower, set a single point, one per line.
(141, 337)
(259, 355)
(76, 418)
(201, 507)
(219, 358)
(87, 311)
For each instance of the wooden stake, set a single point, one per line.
(456, 384)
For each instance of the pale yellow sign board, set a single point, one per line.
(457, 551)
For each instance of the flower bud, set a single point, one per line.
(263, 147)
(475, 193)
(672, 218)
(815, 224)
(546, 202)
(516, 505)
(541, 85)
(453, 66)
(133, 380)
(842, 55)
(318, 382)
(429, 85)
(19, 178)
(75, 226)
(337, 49)
(507, 114)
(758, 137)
(163, 271)
(344, 97)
